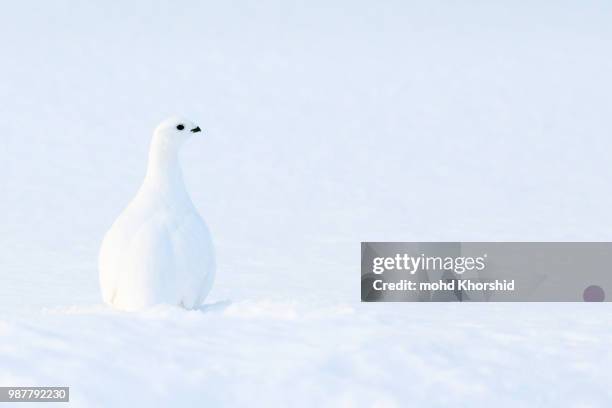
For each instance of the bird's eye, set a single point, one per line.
(180, 127)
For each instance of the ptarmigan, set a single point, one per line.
(159, 250)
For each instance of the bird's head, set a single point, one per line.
(175, 131)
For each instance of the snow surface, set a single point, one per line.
(325, 124)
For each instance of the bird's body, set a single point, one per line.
(159, 250)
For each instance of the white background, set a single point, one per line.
(325, 124)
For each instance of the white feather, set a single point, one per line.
(159, 249)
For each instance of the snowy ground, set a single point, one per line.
(325, 125)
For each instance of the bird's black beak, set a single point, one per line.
(196, 129)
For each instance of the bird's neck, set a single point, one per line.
(164, 170)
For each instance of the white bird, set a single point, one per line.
(159, 250)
